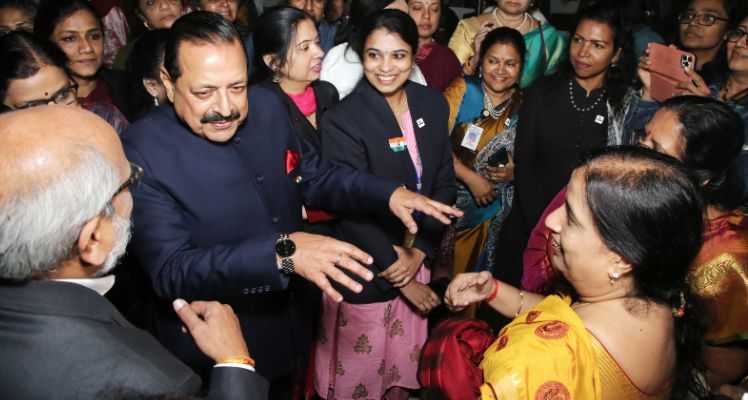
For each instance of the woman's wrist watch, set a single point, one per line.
(284, 249)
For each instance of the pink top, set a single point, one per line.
(406, 122)
(305, 101)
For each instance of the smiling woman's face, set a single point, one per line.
(388, 60)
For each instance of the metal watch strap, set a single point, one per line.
(287, 266)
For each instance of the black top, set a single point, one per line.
(552, 138)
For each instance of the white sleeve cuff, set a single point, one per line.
(236, 365)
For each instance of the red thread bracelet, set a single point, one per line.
(494, 292)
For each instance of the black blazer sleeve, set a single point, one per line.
(444, 188)
(231, 383)
(341, 144)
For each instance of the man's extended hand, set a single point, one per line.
(404, 269)
(318, 258)
(403, 203)
(215, 328)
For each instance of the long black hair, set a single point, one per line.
(274, 35)
(714, 136)
(620, 76)
(23, 56)
(145, 62)
(648, 210)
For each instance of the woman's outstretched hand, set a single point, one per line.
(468, 288)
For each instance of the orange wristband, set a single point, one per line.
(494, 292)
(238, 360)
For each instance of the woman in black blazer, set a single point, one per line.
(397, 129)
(289, 60)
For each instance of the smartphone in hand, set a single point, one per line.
(668, 66)
(501, 157)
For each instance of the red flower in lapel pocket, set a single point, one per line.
(292, 160)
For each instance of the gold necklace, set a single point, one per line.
(502, 22)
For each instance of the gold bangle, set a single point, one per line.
(238, 360)
(521, 303)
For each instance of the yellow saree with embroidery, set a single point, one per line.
(719, 279)
(547, 353)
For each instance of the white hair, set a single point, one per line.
(39, 227)
(122, 234)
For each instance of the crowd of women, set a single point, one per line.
(610, 270)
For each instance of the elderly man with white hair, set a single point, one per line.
(65, 210)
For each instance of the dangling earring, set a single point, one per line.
(155, 101)
(276, 79)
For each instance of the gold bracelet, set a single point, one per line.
(521, 303)
(238, 360)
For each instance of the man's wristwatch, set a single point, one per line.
(285, 248)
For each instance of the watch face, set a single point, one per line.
(285, 248)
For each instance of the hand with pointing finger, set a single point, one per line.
(403, 203)
(215, 328)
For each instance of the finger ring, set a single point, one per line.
(337, 260)
(501, 165)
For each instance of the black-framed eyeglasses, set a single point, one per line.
(136, 172)
(700, 19)
(65, 96)
(735, 35)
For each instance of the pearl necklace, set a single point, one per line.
(501, 21)
(489, 110)
(583, 109)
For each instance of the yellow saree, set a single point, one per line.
(547, 353)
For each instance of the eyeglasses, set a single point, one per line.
(136, 172)
(735, 35)
(700, 19)
(65, 96)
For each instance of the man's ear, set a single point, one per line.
(93, 247)
(168, 84)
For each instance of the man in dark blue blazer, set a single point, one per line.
(218, 213)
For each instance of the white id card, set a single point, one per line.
(472, 137)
